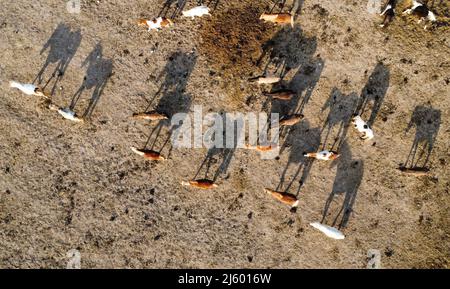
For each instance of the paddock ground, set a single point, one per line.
(67, 186)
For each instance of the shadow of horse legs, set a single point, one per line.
(286, 50)
(173, 100)
(178, 7)
(62, 46)
(301, 139)
(76, 97)
(374, 92)
(427, 121)
(341, 111)
(278, 4)
(98, 72)
(346, 184)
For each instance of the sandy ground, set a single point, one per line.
(67, 186)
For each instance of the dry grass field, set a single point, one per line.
(67, 185)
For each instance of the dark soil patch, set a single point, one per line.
(232, 44)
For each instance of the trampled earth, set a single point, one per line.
(68, 186)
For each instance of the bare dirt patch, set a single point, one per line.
(232, 43)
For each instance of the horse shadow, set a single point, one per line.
(305, 81)
(98, 72)
(341, 109)
(280, 5)
(167, 6)
(287, 50)
(172, 95)
(374, 92)
(221, 155)
(62, 46)
(301, 139)
(427, 121)
(345, 189)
